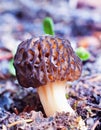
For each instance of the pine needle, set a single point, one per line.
(19, 122)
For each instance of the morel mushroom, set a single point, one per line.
(47, 63)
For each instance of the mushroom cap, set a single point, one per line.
(46, 59)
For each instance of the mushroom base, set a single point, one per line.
(53, 98)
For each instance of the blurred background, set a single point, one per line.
(77, 20)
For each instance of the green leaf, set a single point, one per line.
(48, 26)
(67, 96)
(82, 53)
(11, 67)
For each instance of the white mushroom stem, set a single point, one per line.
(53, 98)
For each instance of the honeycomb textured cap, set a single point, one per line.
(46, 59)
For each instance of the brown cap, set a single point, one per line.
(46, 59)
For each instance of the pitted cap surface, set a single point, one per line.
(46, 59)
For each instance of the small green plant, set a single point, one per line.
(11, 67)
(82, 53)
(67, 96)
(48, 26)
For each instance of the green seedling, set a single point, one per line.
(48, 26)
(82, 53)
(67, 96)
(11, 67)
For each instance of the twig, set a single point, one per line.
(94, 106)
(97, 78)
(19, 122)
(5, 54)
(95, 124)
(92, 78)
